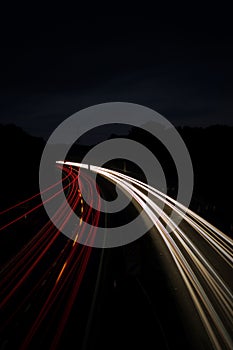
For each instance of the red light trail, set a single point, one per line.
(24, 276)
(44, 278)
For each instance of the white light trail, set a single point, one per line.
(209, 290)
(80, 165)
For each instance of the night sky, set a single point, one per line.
(52, 66)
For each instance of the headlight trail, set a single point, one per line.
(202, 255)
(209, 287)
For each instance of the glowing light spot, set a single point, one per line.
(61, 272)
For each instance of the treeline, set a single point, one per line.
(20, 158)
(210, 149)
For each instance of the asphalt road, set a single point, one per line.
(151, 293)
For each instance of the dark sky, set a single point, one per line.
(54, 66)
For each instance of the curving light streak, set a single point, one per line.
(209, 290)
(36, 195)
(61, 278)
(202, 254)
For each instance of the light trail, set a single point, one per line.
(33, 248)
(202, 254)
(209, 289)
(36, 195)
(34, 208)
(29, 262)
(62, 277)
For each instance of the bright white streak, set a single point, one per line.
(184, 264)
(221, 243)
(80, 165)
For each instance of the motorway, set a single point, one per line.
(171, 288)
(197, 256)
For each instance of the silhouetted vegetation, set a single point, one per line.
(210, 149)
(20, 157)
